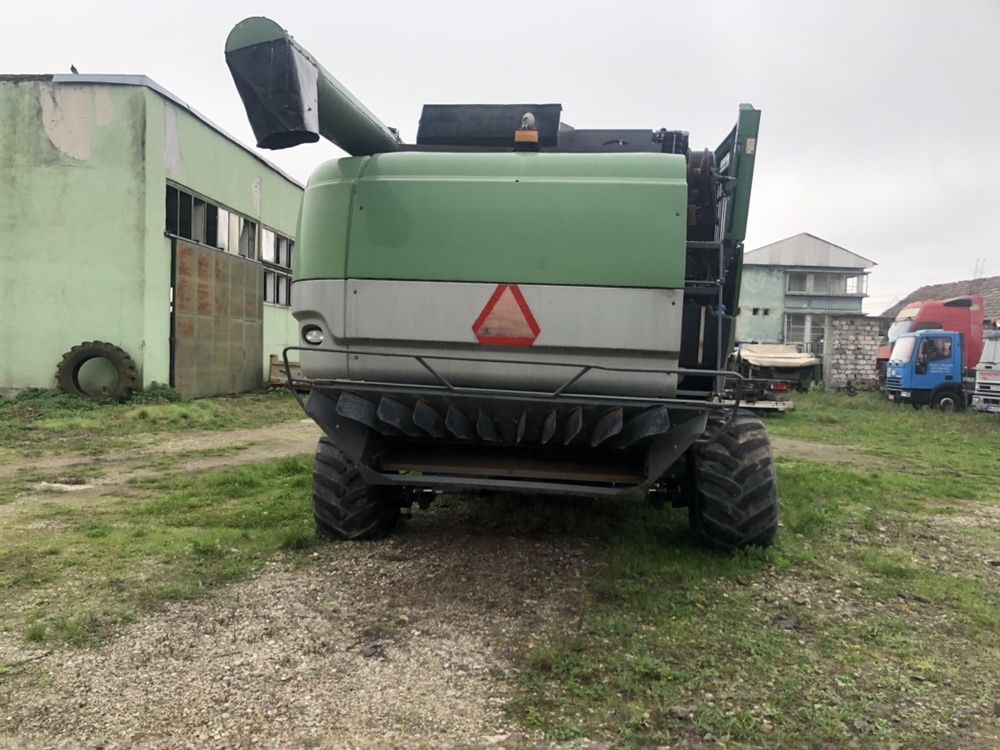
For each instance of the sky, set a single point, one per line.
(880, 117)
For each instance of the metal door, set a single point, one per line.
(216, 322)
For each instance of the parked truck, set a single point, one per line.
(961, 314)
(927, 368)
(986, 392)
(778, 362)
(511, 304)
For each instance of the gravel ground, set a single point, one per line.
(406, 642)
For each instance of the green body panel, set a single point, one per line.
(746, 154)
(574, 219)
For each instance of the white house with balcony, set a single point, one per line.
(791, 289)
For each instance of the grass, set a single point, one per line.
(71, 574)
(962, 444)
(874, 621)
(46, 422)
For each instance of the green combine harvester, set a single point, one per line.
(514, 305)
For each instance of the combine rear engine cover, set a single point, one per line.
(513, 304)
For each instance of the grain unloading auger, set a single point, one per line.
(512, 304)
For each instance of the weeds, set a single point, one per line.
(46, 420)
(74, 580)
(866, 624)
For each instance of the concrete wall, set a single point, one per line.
(849, 352)
(187, 152)
(764, 288)
(280, 330)
(72, 224)
(83, 254)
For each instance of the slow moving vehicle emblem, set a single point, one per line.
(506, 320)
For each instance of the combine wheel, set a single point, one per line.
(735, 502)
(344, 505)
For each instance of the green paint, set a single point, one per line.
(746, 154)
(82, 217)
(764, 288)
(72, 225)
(253, 30)
(280, 330)
(574, 219)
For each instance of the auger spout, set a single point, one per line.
(291, 99)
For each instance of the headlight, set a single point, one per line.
(905, 394)
(313, 335)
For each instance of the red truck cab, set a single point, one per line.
(963, 315)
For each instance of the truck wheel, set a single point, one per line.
(735, 502)
(947, 401)
(344, 505)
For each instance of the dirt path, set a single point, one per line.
(284, 439)
(823, 452)
(247, 446)
(406, 642)
(89, 478)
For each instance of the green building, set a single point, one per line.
(791, 289)
(126, 217)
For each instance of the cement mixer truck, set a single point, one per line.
(511, 304)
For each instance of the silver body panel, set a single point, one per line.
(631, 328)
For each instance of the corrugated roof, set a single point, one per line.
(806, 250)
(989, 288)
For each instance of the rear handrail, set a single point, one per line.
(445, 386)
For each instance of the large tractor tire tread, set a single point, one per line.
(126, 373)
(735, 502)
(344, 505)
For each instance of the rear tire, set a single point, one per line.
(949, 401)
(345, 506)
(735, 500)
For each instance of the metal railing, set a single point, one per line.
(707, 400)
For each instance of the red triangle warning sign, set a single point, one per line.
(506, 320)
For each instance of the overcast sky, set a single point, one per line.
(880, 119)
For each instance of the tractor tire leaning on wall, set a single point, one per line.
(68, 371)
(735, 502)
(344, 505)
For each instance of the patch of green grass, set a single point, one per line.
(859, 627)
(85, 570)
(57, 422)
(35, 632)
(960, 446)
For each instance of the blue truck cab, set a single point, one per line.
(925, 369)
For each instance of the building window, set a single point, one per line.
(202, 221)
(245, 233)
(762, 311)
(825, 284)
(795, 329)
(856, 285)
(276, 254)
(830, 284)
(797, 281)
(809, 330)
